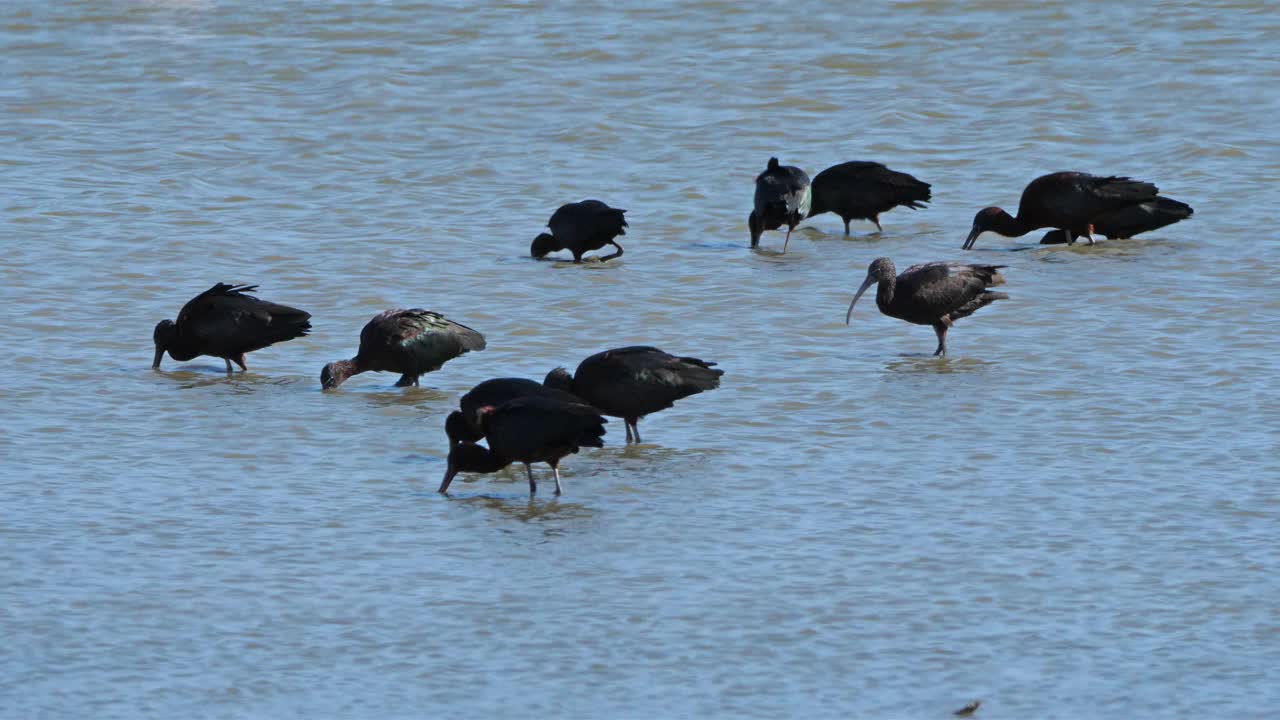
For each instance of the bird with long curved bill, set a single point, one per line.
(409, 342)
(227, 322)
(936, 293)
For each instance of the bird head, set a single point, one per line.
(456, 427)
(986, 219)
(336, 373)
(163, 337)
(879, 269)
(543, 244)
(469, 457)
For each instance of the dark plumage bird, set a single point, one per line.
(466, 424)
(224, 321)
(528, 430)
(1069, 201)
(409, 342)
(969, 709)
(783, 196)
(937, 293)
(632, 382)
(582, 226)
(1129, 221)
(862, 190)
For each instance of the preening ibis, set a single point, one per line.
(226, 322)
(1070, 201)
(409, 342)
(582, 226)
(936, 293)
(466, 424)
(1129, 221)
(862, 190)
(783, 196)
(528, 430)
(632, 382)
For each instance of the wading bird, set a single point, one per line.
(936, 293)
(409, 342)
(782, 197)
(466, 424)
(1069, 201)
(225, 322)
(580, 227)
(632, 382)
(862, 190)
(528, 430)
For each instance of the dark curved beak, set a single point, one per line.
(155, 364)
(448, 478)
(865, 284)
(973, 236)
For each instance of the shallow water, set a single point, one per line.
(1072, 515)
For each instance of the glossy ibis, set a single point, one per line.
(1129, 221)
(579, 227)
(224, 321)
(1069, 201)
(782, 197)
(466, 424)
(632, 382)
(409, 342)
(936, 293)
(528, 430)
(862, 190)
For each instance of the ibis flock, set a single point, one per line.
(526, 421)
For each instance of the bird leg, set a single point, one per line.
(1088, 232)
(239, 360)
(786, 240)
(876, 219)
(533, 484)
(941, 331)
(406, 380)
(846, 226)
(626, 423)
(555, 468)
(228, 362)
(618, 254)
(635, 424)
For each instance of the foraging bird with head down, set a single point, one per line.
(936, 293)
(783, 196)
(632, 382)
(528, 430)
(409, 342)
(580, 227)
(861, 190)
(226, 322)
(1069, 201)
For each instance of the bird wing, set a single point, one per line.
(423, 339)
(1074, 198)
(866, 188)
(537, 428)
(226, 319)
(946, 289)
(589, 218)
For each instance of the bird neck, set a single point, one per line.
(1008, 226)
(341, 370)
(884, 291)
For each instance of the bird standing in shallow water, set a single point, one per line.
(862, 190)
(1129, 221)
(409, 342)
(528, 430)
(225, 322)
(632, 382)
(579, 227)
(1069, 201)
(783, 196)
(937, 293)
(466, 424)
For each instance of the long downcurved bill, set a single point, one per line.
(973, 236)
(448, 478)
(155, 364)
(865, 284)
